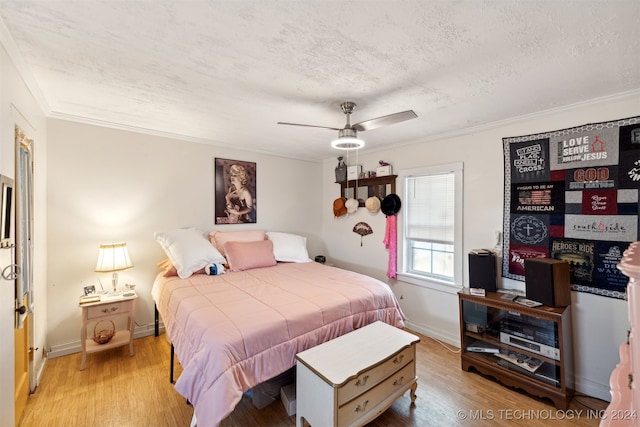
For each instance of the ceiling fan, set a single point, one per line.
(348, 136)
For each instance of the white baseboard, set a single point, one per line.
(76, 347)
(439, 335)
(593, 389)
(582, 385)
(38, 374)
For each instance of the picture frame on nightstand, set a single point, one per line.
(89, 290)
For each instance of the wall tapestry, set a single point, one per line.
(572, 194)
(235, 187)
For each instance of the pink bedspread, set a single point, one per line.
(234, 331)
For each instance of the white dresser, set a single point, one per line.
(352, 379)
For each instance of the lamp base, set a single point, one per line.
(114, 294)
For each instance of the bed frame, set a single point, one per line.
(375, 302)
(157, 334)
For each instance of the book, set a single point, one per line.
(508, 297)
(528, 302)
(85, 299)
(477, 291)
(530, 364)
(542, 373)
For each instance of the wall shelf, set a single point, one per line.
(367, 187)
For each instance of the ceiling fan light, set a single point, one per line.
(347, 143)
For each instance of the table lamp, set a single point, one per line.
(112, 258)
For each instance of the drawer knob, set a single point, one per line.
(362, 407)
(398, 381)
(398, 359)
(362, 381)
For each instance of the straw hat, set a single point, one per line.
(352, 205)
(372, 204)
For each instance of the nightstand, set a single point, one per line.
(107, 309)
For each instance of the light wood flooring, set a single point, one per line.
(118, 390)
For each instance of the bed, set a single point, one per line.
(236, 330)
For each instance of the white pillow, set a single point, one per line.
(289, 247)
(188, 250)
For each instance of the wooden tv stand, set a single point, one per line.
(536, 334)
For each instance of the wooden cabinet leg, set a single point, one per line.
(414, 387)
(131, 331)
(83, 344)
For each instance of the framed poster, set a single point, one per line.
(572, 194)
(235, 191)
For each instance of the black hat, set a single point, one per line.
(390, 204)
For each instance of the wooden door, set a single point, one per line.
(23, 270)
(22, 356)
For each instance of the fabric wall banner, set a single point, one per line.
(572, 194)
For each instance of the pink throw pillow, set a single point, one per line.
(219, 238)
(247, 255)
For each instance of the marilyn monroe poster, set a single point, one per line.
(235, 198)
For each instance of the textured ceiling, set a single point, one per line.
(225, 72)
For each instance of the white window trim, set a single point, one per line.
(432, 283)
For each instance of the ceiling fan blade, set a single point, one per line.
(309, 126)
(385, 120)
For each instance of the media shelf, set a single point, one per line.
(534, 345)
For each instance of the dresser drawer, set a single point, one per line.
(367, 402)
(374, 375)
(107, 309)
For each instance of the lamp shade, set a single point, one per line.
(113, 257)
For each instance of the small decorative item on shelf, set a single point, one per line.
(341, 170)
(353, 172)
(103, 336)
(384, 169)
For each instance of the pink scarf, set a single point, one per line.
(391, 242)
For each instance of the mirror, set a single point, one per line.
(6, 211)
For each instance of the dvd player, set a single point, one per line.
(532, 346)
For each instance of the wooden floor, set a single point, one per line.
(118, 390)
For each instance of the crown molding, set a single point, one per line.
(168, 135)
(24, 72)
(622, 96)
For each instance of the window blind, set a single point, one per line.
(431, 208)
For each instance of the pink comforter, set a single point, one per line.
(234, 331)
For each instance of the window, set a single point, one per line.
(432, 224)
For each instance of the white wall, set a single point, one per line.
(110, 185)
(435, 312)
(18, 106)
